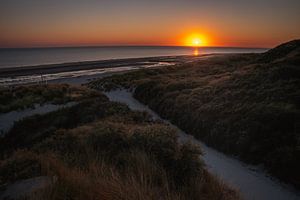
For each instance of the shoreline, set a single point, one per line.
(89, 65)
(80, 72)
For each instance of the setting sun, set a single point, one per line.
(195, 40)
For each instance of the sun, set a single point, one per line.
(195, 40)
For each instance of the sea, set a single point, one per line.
(18, 57)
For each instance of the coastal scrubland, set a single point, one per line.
(246, 105)
(21, 97)
(97, 149)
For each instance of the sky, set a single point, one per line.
(243, 23)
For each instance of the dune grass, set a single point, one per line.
(245, 105)
(98, 149)
(21, 97)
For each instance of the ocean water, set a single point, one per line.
(39, 56)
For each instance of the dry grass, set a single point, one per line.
(101, 150)
(103, 181)
(140, 172)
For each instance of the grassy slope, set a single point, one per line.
(102, 150)
(22, 97)
(244, 105)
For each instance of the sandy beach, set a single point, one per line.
(80, 72)
(88, 65)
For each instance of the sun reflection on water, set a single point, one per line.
(196, 52)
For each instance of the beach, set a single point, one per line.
(80, 72)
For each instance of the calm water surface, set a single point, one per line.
(39, 56)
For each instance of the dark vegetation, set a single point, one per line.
(244, 105)
(22, 97)
(98, 149)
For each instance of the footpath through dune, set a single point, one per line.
(252, 183)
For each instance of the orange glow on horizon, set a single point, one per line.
(183, 36)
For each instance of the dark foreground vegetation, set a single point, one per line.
(98, 149)
(245, 105)
(22, 97)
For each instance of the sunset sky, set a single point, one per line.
(39, 23)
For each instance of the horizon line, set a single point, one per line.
(107, 46)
